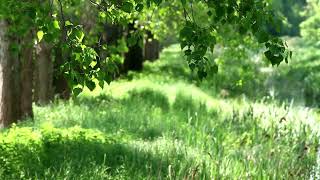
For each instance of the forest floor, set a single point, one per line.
(163, 123)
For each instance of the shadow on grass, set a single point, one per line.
(73, 156)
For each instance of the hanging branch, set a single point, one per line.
(64, 30)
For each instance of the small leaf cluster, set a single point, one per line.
(247, 17)
(197, 41)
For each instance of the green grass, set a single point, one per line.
(162, 124)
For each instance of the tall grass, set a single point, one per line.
(162, 124)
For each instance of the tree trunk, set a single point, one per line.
(134, 57)
(44, 75)
(6, 116)
(151, 48)
(15, 78)
(112, 33)
(27, 77)
(61, 87)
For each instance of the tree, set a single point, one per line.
(134, 57)
(16, 80)
(76, 61)
(290, 11)
(44, 74)
(151, 47)
(310, 28)
(6, 115)
(26, 77)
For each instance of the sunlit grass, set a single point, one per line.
(162, 124)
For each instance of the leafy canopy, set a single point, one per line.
(202, 21)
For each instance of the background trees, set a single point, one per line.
(175, 118)
(80, 43)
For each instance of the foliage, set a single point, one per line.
(28, 152)
(151, 127)
(300, 78)
(57, 23)
(310, 29)
(291, 12)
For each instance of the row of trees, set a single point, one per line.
(58, 47)
(33, 58)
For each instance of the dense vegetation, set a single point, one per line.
(148, 126)
(158, 89)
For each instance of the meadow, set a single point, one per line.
(164, 123)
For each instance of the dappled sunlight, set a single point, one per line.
(186, 89)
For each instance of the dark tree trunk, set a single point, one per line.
(27, 77)
(134, 57)
(15, 79)
(6, 115)
(15, 85)
(151, 48)
(43, 75)
(61, 87)
(112, 33)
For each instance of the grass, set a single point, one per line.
(162, 124)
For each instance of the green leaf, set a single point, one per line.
(215, 68)
(202, 74)
(132, 41)
(76, 91)
(183, 44)
(139, 7)
(56, 24)
(101, 83)
(93, 64)
(68, 24)
(188, 52)
(262, 36)
(274, 59)
(183, 2)
(157, 2)
(91, 85)
(127, 7)
(186, 33)
(79, 35)
(40, 35)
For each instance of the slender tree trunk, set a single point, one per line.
(44, 75)
(6, 116)
(151, 48)
(27, 77)
(134, 58)
(61, 87)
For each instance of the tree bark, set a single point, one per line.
(15, 79)
(134, 57)
(6, 115)
(44, 75)
(27, 77)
